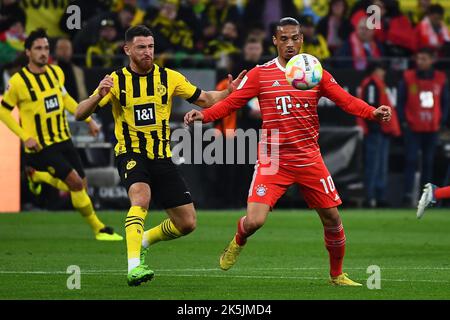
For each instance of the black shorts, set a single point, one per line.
(59, 160)
(167, 186)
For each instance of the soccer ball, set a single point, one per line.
(303, 71)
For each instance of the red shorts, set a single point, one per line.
(315, 184)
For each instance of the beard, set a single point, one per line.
(145, 64)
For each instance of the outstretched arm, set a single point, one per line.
(209, 98)
(247, 89)
(355, 106)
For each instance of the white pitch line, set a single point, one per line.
(218, 269)
(298, 278)
(116, 272)
(280, 268)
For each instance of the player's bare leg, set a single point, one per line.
(183, 218)
(256, 217)
(335, 243)
(182, 221)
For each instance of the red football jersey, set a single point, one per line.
(290, 111)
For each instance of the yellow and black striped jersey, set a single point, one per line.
(42, 100)
(141, 106)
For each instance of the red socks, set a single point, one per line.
(335, 244)
(241, 235)
(442, 193)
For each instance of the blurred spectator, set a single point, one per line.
(361, 47)
(269, 12)
(12, 67)
(10, 12)
(359, 11)
(335, 27)
(432, 31)
(12, 41)
(147, 4)
(171, 33)
(44, 14)
(258, 31)
(89, 34)
(74, 75)
(251, 55)
(416, 9)
(90, 9)
(248, 117)
(316, 9)
(123, 20)
(226, 44)
(377, 136)
(214, 17)
(396, 32)
(190, 11)
(104, 52)
(226, 125)
(139, 13)
(313, 43)
(423, 102)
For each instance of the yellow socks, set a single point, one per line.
(163, 232)
(134, 228)
(82, 203)
(42, 176)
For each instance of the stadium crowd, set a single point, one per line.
(194, 31)
(232, 35)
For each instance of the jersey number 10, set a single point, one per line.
(328, 185)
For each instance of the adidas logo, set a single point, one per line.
(276, 84)
(336, 198)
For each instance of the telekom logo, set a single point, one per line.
(286, 104)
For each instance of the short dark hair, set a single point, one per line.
(436, 9)
(253, 39)
(307, 21)
(137, 31)
(130, 8)
(427, 50)
(286, 21)
(34, 35)
(374, 65)
(333, 2)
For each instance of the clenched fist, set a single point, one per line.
(105, 86)
(383, 113)
(192, 116)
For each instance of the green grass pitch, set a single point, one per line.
(285, 260)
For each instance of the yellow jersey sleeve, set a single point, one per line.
(11, 95)
(9, 101)
(183, 88)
